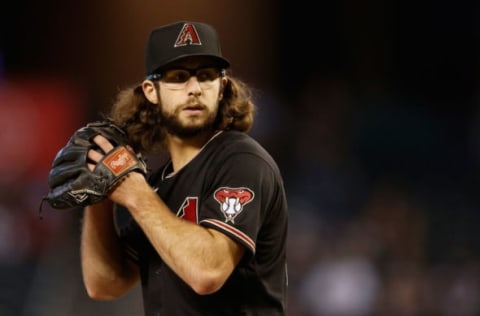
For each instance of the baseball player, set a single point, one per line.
(205, 234)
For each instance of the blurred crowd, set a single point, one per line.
(383, 208)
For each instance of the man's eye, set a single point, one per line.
(208, 74)
(179, 76)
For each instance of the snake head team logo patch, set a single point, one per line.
(232, 201)
(188, 36)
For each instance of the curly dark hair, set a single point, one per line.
(142, 120)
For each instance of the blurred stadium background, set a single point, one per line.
(371, 108)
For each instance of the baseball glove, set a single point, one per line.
(72, 184)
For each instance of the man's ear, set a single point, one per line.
(149, 91)
(224, 82)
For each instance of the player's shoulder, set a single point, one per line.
(235, 141)
(241, 145)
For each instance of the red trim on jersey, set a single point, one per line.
(234, 231)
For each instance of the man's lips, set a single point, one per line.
(193, 107)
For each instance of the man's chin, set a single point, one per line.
(188, 131)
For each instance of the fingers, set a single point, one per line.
(94, 156)
(103, 143)
(90, 166)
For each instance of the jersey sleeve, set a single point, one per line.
(237, 199)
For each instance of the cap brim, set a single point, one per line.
(220, 61)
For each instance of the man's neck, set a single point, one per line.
(183, 150)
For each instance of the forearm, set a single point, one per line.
(107, 274)
(203, 258)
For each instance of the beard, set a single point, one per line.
(174, 126)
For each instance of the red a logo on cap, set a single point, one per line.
(188, 36)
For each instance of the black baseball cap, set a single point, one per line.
(174, 41)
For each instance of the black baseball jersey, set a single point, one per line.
(234, 186)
